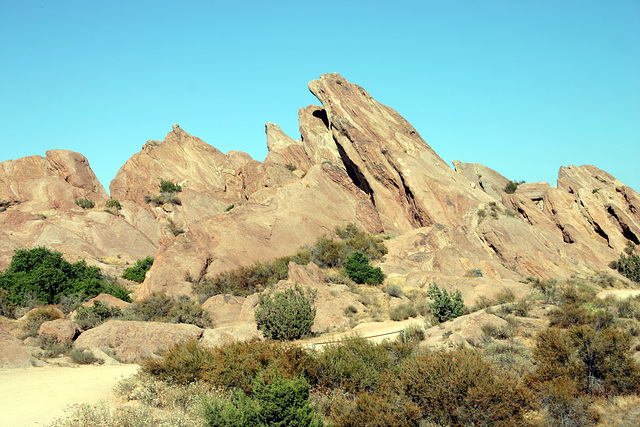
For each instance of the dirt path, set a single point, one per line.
(39, 396)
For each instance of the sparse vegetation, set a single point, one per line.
(113, 205)
(629, 266)
(95, 315)
(169, 187)
(512, 186)
(136, 273)
(174, 228)
(82, 356)
(85, 203)
(158, 307)
(228, 208)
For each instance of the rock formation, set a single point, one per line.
(356, 161)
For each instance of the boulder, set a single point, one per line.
(131, 341)
(13, 353)
(108, 300)
(62, 329)
(224, 309)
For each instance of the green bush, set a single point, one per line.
(113, 204)
(137, 272)
(85, 203)
(47, 276)
(169, 187)
(280, 402)
(629, 267)
(360, 271)
(97, 314)
(6, 309)
(231, 206)
(403, 312)
(445, 306)
(512, 186)
(286, 315)
(153, 308)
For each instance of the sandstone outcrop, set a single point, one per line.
(14, 354)
(131, 341)
(62, 329)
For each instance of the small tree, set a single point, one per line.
(359, 270)
(287, 315)
(445, 306)
(629, 266)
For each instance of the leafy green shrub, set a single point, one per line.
(228, 208)
(83, 357)
(113, 204)
(136, 273)
(47, 276)
(286, 315)
(512, 186)
(280, 402)
(169, 187)
(629, 266)
(90, 317)
(360, 271)
(445, 306)
(85, 203)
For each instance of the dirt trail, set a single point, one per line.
(39, 396)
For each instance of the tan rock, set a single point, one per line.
(13, 353)
(131, 341)
(224, 309)
(108, 300)
(62, 329)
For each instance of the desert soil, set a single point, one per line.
(39, 396)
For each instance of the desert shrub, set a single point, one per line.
(81, 356)
(6, 309)
(97, 314)
(85, 203)
(228, 208)
(505, 296)
(563, 405)
(629, 266)
(512, 186)
(522, 307)
(280, 402)
(136, 273)
(113, 204)
(52, 347)
(359, 270)
(185, 310)
(474, 272)
(155, 307)
(356, 364)
(403, 312)
(394, 291)
(376, 410)
(36, 318)
(357, 240)
(329, 253)
(286, 315)
(597, 360)
(459, 388)
(231, 366)
(169, 187)
(173, 228)
(572, 314)
(245, 281)
(47, 276)
(445, 306)
(291, 167)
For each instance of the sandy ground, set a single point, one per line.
(39, 396)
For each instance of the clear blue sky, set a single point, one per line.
(523, 87)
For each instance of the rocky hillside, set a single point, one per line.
(356, 161)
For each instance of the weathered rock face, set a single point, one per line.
(273, 222)
(133, 341)
(13, 354)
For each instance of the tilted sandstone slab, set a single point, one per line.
(274, 222)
